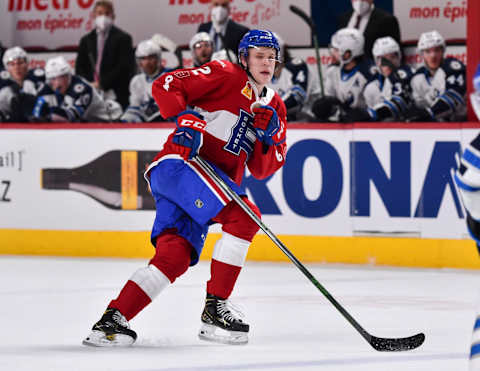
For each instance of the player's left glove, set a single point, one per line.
(189, 133)
(269, 128)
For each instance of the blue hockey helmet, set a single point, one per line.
(257, 39)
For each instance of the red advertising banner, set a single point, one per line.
(54, 24)
(446, 16)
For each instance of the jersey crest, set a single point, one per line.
(242, 136)
(247, 91)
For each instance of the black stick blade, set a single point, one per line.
(303, 15)
(397, 345)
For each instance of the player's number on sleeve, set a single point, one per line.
(458, 80)
(301, 76)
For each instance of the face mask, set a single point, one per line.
(219, 14)
(361, 7)
(102, 22)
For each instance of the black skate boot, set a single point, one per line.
(218, 315)
(112, 330)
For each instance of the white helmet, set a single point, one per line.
(348, 39)
(13, 53)
(199, 37)
(57, 66)
(429, 40)
(146, 48)
(385, 45)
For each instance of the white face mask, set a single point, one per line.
(102, 22)
(219, 15)
(361, 6)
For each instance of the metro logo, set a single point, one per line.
(19, 5)
(394, 187)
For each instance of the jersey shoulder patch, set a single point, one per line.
(452, 66)
(78, 87)
(4, 75)
(367, 69)
(404, 72)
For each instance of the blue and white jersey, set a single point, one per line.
(9, 89)
(348, 86)
(80, 103)
(295, 85)
(443, 92)
(392, 92)
(142, 107)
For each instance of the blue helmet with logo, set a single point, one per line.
(257, 39)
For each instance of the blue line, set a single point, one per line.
(325, 362)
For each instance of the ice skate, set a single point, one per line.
(220, 324)
(112, 330)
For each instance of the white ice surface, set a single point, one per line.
(48, 305)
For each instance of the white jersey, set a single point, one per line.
(10, 90)
(443, 92)
(392, 92)
(80, 103)
(348, 86)
(296, 86)
(142, 106)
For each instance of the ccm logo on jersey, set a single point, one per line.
(189, 123)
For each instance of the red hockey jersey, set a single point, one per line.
(223, 93)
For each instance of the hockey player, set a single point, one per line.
(467, 178)
(18, 86)
(201, 47)
(69, 98)
(237, 121)
(388, 94)
(142, 107)
(438, 87)
(344, 100)
(293, 82)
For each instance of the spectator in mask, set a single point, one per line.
(225, 33)
(372, 22)
(105, 55)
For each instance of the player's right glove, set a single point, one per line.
(189, 133)
(268, 126)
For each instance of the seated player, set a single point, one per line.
(388, 94)
(344, 100)
(18, 86)
(142, 106)
(439, 86)
(294, 83)
(69, 98)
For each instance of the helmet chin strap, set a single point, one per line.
(247, 70)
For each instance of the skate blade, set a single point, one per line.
(99, 339)
(218, 335)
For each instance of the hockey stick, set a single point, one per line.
(313, 29)
(380, 344)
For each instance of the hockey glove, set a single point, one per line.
(417, 114)
(268, 127)
(327, 108)
(189, 133)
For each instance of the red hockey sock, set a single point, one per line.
(222, 278)
(131, 300)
